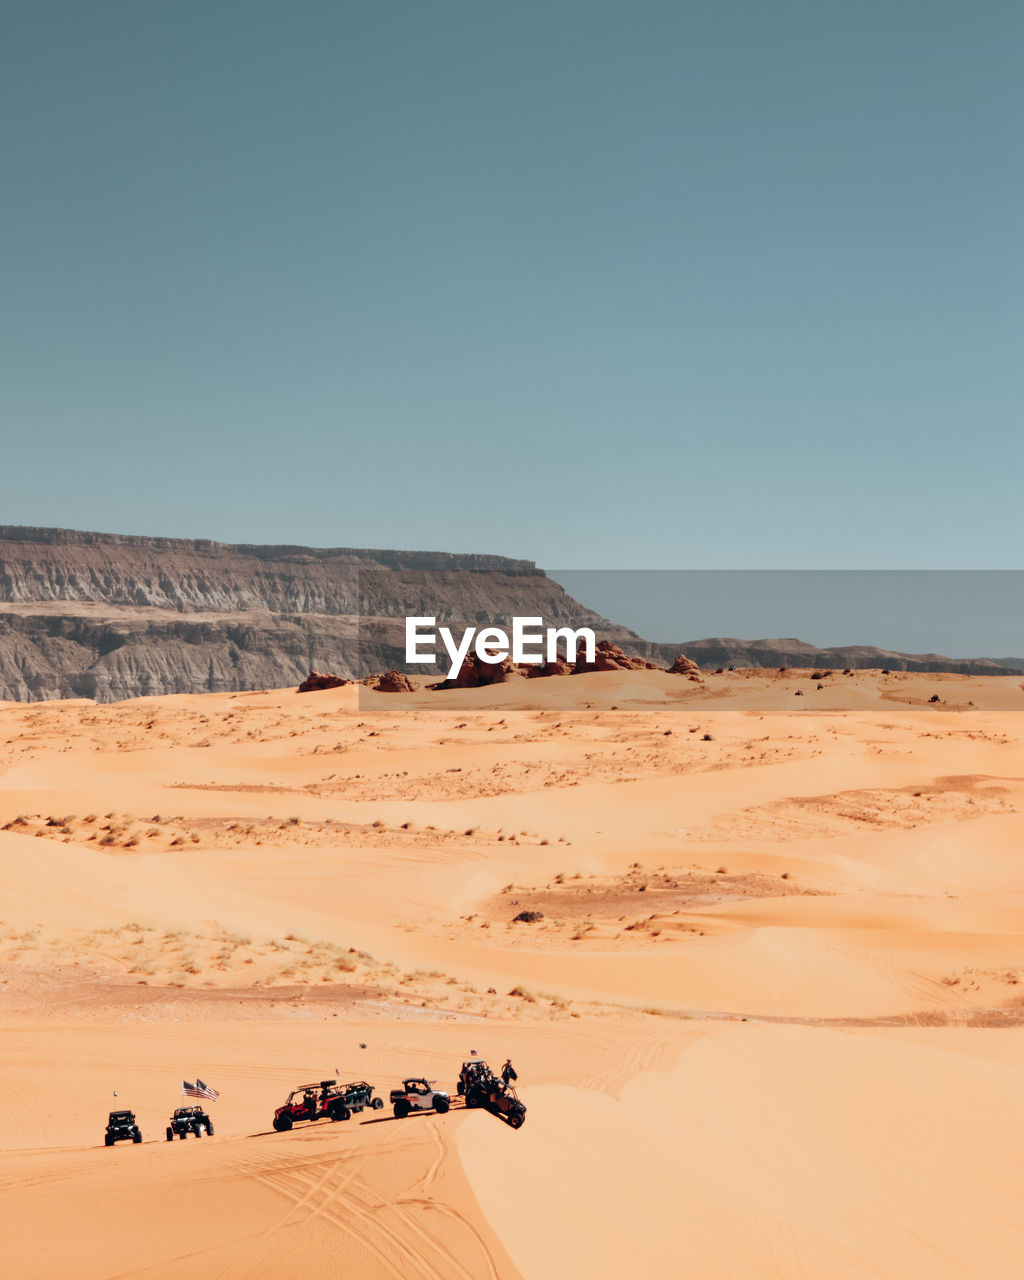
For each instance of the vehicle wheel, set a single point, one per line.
(183, 1135)
(170, 1134)
(460, 1088)
(377, 1104)
(472, 1100)
(516, 1119)
(401, 1108)
(441, 1105)
(108, 1141)
(136, 1136)
(209, 1129)
(199, 1130)
(282, 1123)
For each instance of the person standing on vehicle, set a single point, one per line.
(508, 1073)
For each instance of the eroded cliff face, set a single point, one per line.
(48, 565)
(112, 617)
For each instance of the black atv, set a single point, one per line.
(120, 1127)
(188, 1120)
(498, 1098)
(359, 1094)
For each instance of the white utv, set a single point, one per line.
(417, 1094)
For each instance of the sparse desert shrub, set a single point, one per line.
(521, 993)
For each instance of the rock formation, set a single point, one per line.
(319, 680)
(392, 682)
(683, 666)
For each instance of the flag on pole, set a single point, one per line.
(199, 1090)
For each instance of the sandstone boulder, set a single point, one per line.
(683, 666)
(609, 657)
(393, 682)
(476, 673)
(321, 680)
(557, 668)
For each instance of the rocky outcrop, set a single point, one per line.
(683, 666)
(557, 668)
(609, 657)
(392, 682)
(317, 680)
(475, 673)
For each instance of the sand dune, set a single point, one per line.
(768, 1024)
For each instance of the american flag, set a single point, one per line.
(199, 1090)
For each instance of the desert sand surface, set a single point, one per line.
(768, 1019)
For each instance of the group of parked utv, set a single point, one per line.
(123, 1126)
(478, 1085)
(329, 1100)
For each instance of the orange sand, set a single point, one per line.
(771, 1024)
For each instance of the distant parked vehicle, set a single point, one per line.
(325, 1100)
(417, 1094)
(188, 1120)
(121, 1127)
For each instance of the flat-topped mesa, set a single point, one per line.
(112, 616)
(198, 575)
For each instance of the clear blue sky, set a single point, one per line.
(959, 613)
(599, 284)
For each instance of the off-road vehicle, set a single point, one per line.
(498, 1098)
(188, 1120)
(325, 1100)
(358, 1094)
(120, 1127)
(473, 1070)
(417, 1094)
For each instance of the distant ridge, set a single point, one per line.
(726, 651)
(114, 616)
